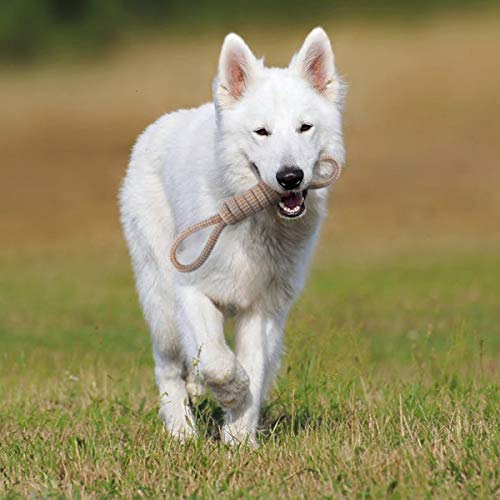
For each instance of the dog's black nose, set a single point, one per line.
(290, 177)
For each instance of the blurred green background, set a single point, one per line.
(30, 29)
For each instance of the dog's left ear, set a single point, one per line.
(315, 61)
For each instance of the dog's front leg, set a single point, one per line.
(259, 340)
(201, 326)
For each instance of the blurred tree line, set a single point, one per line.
(33, 28)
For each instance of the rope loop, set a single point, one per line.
(236, 209)
(329, 179)
(207, 249)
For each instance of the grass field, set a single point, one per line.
(388, 387)
(390, 382)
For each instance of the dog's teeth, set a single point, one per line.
(289, 210)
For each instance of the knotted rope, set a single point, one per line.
(238, 208)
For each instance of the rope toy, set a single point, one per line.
(238, 208)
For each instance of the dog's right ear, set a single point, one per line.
(237, 68)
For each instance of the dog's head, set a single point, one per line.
(275, 123)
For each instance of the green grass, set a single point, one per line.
(388, 387)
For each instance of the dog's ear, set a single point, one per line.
(315, 61)
(237, 68)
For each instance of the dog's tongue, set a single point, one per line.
(292, 200)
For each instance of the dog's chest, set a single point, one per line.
(251, 263)
(238, 277)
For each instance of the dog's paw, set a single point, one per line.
(229, 386)
(179, 424)
(233, 436)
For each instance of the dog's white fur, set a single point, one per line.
(181, 168)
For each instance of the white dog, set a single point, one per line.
(265, 123)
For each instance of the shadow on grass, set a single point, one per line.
(279, 418)
(209, 418)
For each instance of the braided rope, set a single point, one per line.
(238, 208)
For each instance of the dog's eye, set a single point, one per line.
(261, 131)
(305, 127)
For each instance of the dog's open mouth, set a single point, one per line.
(292, 204)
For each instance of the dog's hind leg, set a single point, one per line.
(259, 341)
(174, 402)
